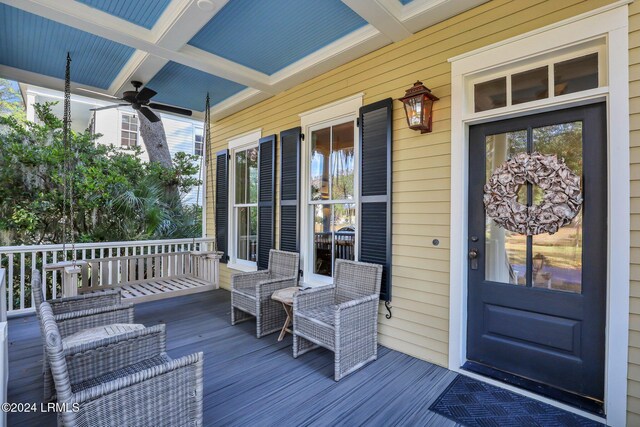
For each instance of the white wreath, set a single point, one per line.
(561, 202)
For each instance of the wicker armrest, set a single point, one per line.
(70, 323)
(92, 359)
(86, 301)
(252, 277)
(266, 288)
(357, 314)
(315, 297)
(169, 394)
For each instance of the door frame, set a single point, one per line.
(609, 23)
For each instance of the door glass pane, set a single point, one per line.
(506, 252)
(320, 152)
(557, 258)
(490, 95)
(576, 74)
(344, 225)
(530, 85)
(342, 162)
(322, 239)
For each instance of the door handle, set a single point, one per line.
(473, 258)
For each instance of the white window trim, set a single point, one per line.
(334, 113)
(120, 130)
(238, 143)
(610, 22)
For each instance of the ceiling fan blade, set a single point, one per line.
(108, 107)
(98, 93)
(170, 109)
(146, 94)
(149, 114)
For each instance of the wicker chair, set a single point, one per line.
(342, 318)
(125, 380)
(251, 292)
(81, 319)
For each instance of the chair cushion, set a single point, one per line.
(326, 314)
(121, 373)
(100, 332)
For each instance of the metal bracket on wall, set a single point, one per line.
(387, 305)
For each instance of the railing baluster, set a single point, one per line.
(54, 277)
(10, 282)
(22, 258)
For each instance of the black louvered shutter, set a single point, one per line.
(266, 199)
(289, 189)
(222, 202)
(375, 188)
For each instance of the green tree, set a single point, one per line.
(117, 196)
(10, 100)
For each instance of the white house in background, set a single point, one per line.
(119, 126)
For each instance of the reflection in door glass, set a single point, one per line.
(557, 258)
(505, 252)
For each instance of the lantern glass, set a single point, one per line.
(413, 107)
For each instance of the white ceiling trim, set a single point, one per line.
(181, 20)
(70, 12)
(377, 13)
(168, 41)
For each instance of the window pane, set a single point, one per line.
(247, 233)
(342, 162)
(506, 252)
(322, 239)
(320, 151)
(344, 225)
(576, 74)
(557, 258)
(490, 95)
(241, 177)
(252, 184)
(530, 85)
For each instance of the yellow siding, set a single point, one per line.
(633, 401)
(421, 164)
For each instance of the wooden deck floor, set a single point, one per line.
(256, 382)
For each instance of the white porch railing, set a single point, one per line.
(19, 261)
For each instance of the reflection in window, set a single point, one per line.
(530, 85)
(332, 163)
(552, 261)
(246, 203)
(490, 95)
(506, 252)
(576, 74)
(557, 258)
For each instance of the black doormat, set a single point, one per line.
(473, 403)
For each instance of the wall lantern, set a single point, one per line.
(418, 105)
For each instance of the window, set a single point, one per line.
(332, 198)
(557, 78)
(243, 201)
(128, 130)
(198, 141)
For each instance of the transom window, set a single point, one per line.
(552, 79)
(332, 196)
(128, 130)
(245, 204)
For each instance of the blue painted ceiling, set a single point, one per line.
(144, 13)
(186, 87)
(405, 1)
(268, 35)
(36, 44)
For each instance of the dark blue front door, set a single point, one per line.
(536, 304)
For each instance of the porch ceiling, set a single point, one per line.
(241, 51)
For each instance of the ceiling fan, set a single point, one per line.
(139, 101)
